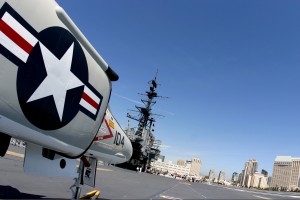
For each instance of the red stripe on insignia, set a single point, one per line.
(15, 37)
(90, 100)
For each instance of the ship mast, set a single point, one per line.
(145, 147)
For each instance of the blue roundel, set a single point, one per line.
(50, 84)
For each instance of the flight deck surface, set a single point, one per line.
(116, 183)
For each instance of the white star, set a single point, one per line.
(59, 78)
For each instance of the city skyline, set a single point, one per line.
(251, 169)
(285, 173)
(230, 68)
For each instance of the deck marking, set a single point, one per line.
(185, 183)
(191, 188)
(103, 169)
(263, 193)
(15, 154)
(169, 197)
(260, 197)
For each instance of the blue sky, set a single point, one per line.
(230, 68)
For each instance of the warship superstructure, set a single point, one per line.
(146, 148)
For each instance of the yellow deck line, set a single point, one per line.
(185, 183)
(103, 169)
(15, 154)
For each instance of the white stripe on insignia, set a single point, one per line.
(88, 106)
(13, 47)
(91, 94)
(16, 26)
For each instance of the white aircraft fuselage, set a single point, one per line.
(54, 86)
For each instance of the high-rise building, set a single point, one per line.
(264, 172)
(249, 169)
(195, 167)
(256, 180)
(269, 180)
(181, 162)
(221, 177)
(259, 181)
(282, 171)
(211, 175)
(286, 173)
(295, 173)
(248, 181)
(240, 177)
(235, 177)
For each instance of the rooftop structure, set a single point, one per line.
(249, 169)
